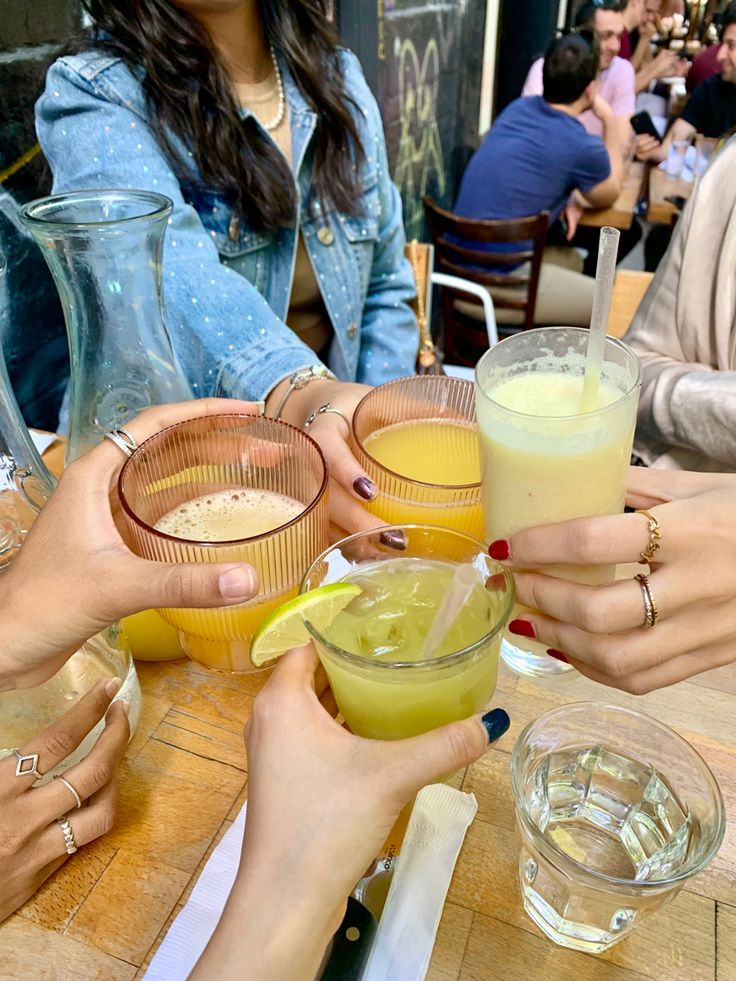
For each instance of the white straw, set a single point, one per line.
(604, 276)
(464, 581)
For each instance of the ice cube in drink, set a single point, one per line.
(374, 652)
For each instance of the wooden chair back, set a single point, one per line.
(511, 276)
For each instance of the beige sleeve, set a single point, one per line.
(683, 331)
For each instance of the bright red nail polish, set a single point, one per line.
(557, 655)
(499, 550)
(523, 628)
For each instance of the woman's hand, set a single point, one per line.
(32, 843)
(350, 486)
(321, 802)
(75, 562)
(599, 629)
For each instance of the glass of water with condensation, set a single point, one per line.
(616, 812)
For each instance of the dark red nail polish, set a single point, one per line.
(365, 488)
(557, 655)
(499, 550)
(496, 583)
(523, 628)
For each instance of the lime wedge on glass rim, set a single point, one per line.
(286, 628)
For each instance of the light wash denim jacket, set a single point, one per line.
(226, 286)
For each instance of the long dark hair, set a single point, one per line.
(189, 99)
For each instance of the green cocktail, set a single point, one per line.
(419, 646)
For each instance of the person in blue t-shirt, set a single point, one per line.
(535, 157)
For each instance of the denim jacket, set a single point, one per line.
(226, 286)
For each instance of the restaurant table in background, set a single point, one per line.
(183, 781)
(621, 213)
(662, 186)
(629, 288)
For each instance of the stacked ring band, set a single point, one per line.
(650, 607)
(124, 440)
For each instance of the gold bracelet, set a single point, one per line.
(300, 379)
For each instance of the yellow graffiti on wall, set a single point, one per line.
(420, 148)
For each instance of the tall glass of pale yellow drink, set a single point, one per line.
(415, 438)
(418, 647)
(228, 488)
(543, 458)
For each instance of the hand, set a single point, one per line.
(598, 629)
(664, 64)
(602, 109)
(648, 148)
(321, 802)
(572, 214)
(31, 841)
(350, 486)
(76, 559)
(647, 30)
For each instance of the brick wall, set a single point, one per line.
(31, 323)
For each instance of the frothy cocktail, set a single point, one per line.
(544, 460)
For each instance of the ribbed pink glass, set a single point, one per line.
(403, 408)
(216, 453)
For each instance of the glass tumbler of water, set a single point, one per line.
(615, 812)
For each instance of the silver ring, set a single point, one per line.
(71, 790)
(327, 407)
(66, 828)
(122, 439)
(29, 771)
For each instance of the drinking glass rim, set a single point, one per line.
(432, 380)
(446, 659)
(28, 213)
(548, 847)
(231, 541)
(615, 341)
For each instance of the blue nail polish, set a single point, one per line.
(495, 722)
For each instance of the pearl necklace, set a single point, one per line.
(281, 111)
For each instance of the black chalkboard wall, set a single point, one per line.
(423, 61)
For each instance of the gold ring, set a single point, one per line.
(651, 614)
(327, 407)
(655, 536)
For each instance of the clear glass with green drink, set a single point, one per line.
(419, 646)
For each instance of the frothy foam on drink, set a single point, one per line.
(229, 515)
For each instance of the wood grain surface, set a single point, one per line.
(621, 213)
(183, 780)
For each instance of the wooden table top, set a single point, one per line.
(629, 287)
(621, 213)
(659, 211)
(183, 780)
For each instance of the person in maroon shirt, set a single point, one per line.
(705, 65)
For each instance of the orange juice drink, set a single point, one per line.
(416, 439)
(220, 638)
(544, 460)
(151, 638)
(228, 488)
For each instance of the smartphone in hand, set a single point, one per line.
(643, 125)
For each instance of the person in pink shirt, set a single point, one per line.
(616, 81)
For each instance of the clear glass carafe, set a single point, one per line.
(25, 486)
(104, 250)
